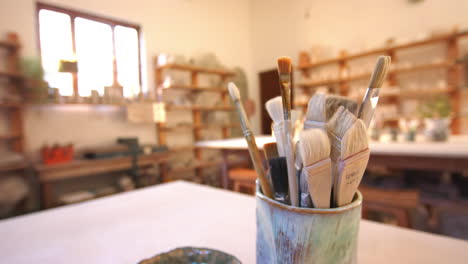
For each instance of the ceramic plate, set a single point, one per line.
(190, 255)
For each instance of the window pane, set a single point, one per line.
(126, 50)
(56, 44)
(94, 55)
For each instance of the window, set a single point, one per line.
(107, 52)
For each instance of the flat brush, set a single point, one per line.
(349, 154)
(322, 107)
(284, 71)
(333, 102)
(277, 171)
(315, 153)
(371, 98)
(274, 107)
(250, 138)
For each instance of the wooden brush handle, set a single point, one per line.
(350, 172)
(290, 162)
(319, 183)
(253, 150)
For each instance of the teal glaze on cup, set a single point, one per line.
(291, 235)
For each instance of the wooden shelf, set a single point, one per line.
(12, 75)
(75, 104)
(198, 108)
(10, 105)
(381, 51)
(196, 69)
(202, 126)
(195, 88)
(193, 167)
(13, 166)
(9, 45)
(181, 149)
(422, 67)
(10, 136)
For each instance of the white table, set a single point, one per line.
(456, 146)
(128, 227)
(450, 156)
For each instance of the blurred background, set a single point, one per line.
(100, 97)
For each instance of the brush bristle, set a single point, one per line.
(314, 146)
(332, 103)
(355, 140)
(380, 72)
(271, 150)
(274, 107)
(340, 122)
(284, 65)
(316, 108)
(233, 91)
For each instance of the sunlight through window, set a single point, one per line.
(126, 51)
(56, 44)
(97, 42)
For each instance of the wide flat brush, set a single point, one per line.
(371, 98)
(322, 107)
(284, 71)
(250, 138)
(314, 147)
(349, 154)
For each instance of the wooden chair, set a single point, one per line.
(396, 203)
(243, 179)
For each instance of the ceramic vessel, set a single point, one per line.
(291, 235)
(192, 255)
(437, 129)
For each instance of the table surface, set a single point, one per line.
(456, 146)
(129, 227)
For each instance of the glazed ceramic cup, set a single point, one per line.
(291, 235)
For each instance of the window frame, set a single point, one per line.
(87, 15)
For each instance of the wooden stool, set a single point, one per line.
(393, 202)
(243, 179)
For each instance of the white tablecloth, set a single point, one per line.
(128, 227)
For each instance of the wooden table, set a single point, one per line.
(450, 156)
(49, 174)
(129, 227)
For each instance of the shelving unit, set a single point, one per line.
(343, 82)
(13, 110)
(196, 110)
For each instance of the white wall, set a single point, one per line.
(177, 26)
(286, 27)
(283, 27)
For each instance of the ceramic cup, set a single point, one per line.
(291, 235)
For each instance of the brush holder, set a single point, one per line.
(292, 235)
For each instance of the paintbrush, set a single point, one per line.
(333, 102)
(284, 71)
(250, 138)
(304, 197)
(349, 154)
(315, 153)
(371, 98)
(277, 171)
(274, 107)
(322, 107)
